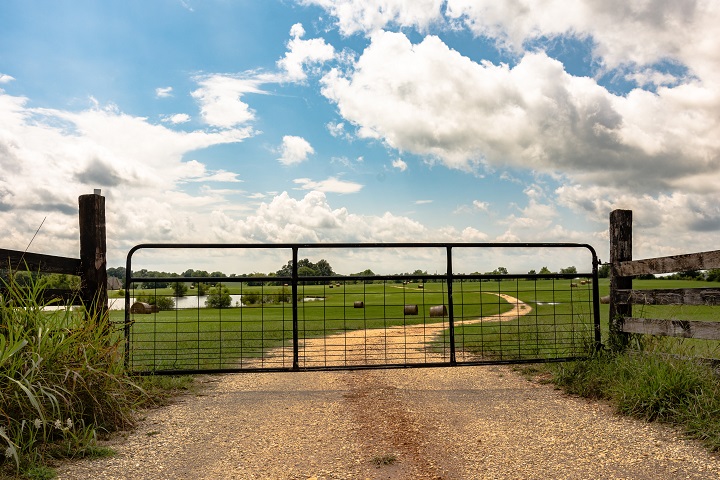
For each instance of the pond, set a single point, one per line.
(180, 302)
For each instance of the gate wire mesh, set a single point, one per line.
(353, 322)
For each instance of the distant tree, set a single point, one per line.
(117, 272)
(219, 297)
(690, 274)
(60, 281)
(713, 275)
(306, 271)
(323, 268)
(569, 270)
(180, 289)
(545, 271)
(604, 271)
(532, 272)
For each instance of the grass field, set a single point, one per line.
(560, 323)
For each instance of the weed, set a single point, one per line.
(384, 460)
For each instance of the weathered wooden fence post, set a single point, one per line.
(93, 261)
(620, 251)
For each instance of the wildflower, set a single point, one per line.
(69, 423)
(9, 452)
(58, 424)
(38, 423)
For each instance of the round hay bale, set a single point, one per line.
(411, 310)
(141, 308)
(359, 304)
(438, 311)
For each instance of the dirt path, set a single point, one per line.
(438, 423)
(398, 344)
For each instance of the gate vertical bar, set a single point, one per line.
(451, 317)
(296, 349)
(596, 302)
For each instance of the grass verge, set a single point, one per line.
(650, 386)
(62, 384)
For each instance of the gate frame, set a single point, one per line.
(294, 279)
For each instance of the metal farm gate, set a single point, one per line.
(297, 322)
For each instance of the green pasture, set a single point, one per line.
(559, 325)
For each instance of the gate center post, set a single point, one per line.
(294, 282)
(451, 318)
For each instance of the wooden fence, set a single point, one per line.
(623, 296)
(91, 267)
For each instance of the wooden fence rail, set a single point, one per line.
(91, 267)
(623, 296)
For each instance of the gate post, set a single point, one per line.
(93, 262)
(620, 251)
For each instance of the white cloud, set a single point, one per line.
(220, 98)
(634, 32)
(663, 223)
(5, 78)
(422, 202)
(430, 100)
(303, 53)
(163, 92)
(400, 164)
(329, 185)
(371, 15)
(336, 129)
(481, 206)
(177, 119)
(50, 156)
(294, 150)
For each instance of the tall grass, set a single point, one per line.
(62, 380)
(652, 386)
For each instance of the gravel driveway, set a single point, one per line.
(431, 423)
(449, 423)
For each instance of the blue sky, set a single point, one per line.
(361, 121)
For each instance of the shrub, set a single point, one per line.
(219, 297)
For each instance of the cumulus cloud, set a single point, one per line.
(622, 32)
(303, 53)
(312, 219)
(294, 150)
(665, 223)
(50, 156)
(329, 185)
(371, 15)
(429, 100)
(5, 78)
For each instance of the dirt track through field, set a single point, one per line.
(397, 344)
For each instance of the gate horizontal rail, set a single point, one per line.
(348, 322)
